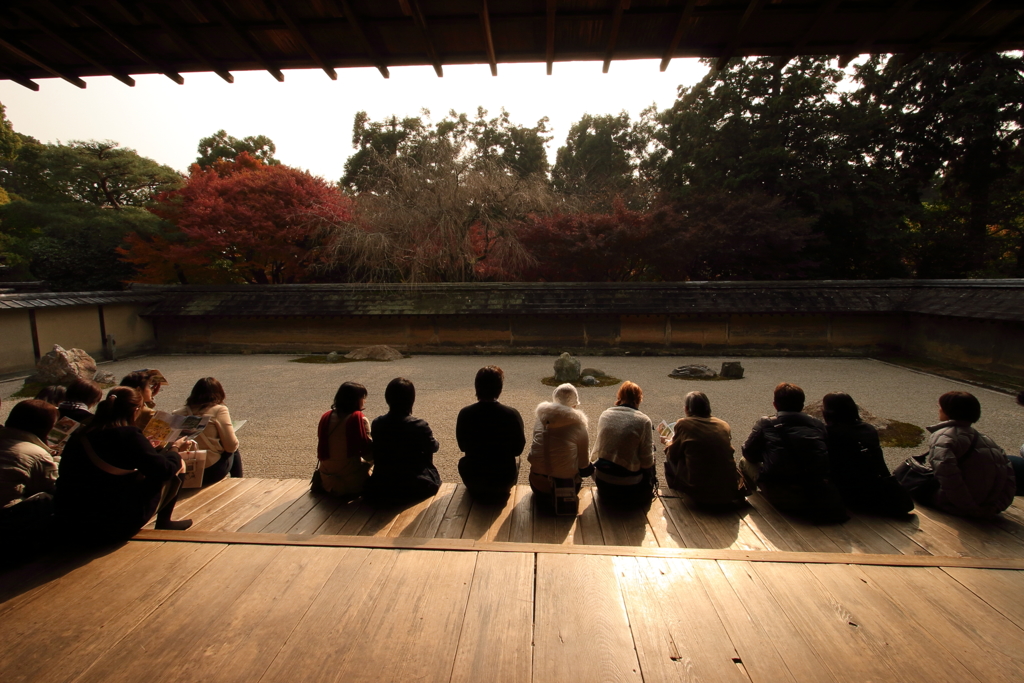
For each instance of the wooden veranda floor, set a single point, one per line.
(273, 584)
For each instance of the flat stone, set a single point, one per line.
(593, 372)
(588, 381)
(103, 377)
(694, 372)
(378, 352)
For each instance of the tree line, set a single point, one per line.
(766, 169)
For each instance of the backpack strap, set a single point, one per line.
(101, 463)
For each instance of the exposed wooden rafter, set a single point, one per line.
(303, 37)
(357, 28)
(683, 26)
(996, 43)
(177, 34)
(19, 79)
(485, 21)
(734, 43)
(71, 47)
(24, 53)
(412, 8)
(929, 43)
(824, 11)
(613, 35)
(219, 13)
(128, 45)
(550, 49)
(867, 41)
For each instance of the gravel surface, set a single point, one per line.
(282, 401)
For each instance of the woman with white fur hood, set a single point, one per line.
(561, 446)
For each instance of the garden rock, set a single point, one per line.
(567, 368)
(593, 372)
(732, 370)
(693, 372)
(588, 381)
(379, 352)
(104, 377)
(60, 366)
(334, 357)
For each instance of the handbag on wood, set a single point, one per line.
(917, 477)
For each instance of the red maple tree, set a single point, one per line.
(238, 221)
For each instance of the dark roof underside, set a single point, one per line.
(70, 39)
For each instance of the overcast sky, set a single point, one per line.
(309, 117)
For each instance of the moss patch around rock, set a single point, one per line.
(604, 381)
(900, 435)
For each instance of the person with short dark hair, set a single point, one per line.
(1017, 461)
(112, 480)
(344, 449)
(973, 475)
(81, 397)
(623, 454)
(218, 439)
(28, 471)
(699, 460)
(403, 451)
(492, 436)
(786, 457)
(53, 394)
(856, 462)
(144, 383)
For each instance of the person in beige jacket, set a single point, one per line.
(560, 448)
(28, 470)
(218, 439)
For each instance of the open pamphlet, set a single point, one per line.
(61, 431)
(665, 429)
(165, 428)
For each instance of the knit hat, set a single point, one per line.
(566, 395)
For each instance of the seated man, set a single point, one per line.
(28, 472)
(786, 456)
(403, 451)
(492, 437)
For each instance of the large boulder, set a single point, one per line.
(567, 368)
(379, 352)
(693, 372)
(593, 372)
(732, 370)
(61, 365)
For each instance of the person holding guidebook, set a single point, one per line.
(218, 439)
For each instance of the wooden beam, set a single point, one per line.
(485, 21)
(752, 7)
(220, 14)
(303, 37)
(993, 45)
(412, 7)
(550, 54)
(357, 28)
(929, 42)
(613, 36)
(20, 80)
(683, 26)
(71, 47)
(177, 34)
(29, 57)
(128, 45)
(862, 46)
(824, 10)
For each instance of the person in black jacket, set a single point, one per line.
(786, 456)
(80, 398)
(111, 480)
(492, 436)
(403, 451)
(856, 463)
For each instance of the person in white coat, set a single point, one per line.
(560, 452)
(624, 453)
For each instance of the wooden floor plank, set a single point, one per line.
(430, 521)
(346, 519)
(242, 509)
(551, 528)
(755, 649)
(986, 538)
(689, 532)
(782, 628)
(323, 639)
(588, 525)
(676, 628)
(381, 520)
(408, 519)
(933, 537)
(983, 641)
(581, 630)
(293, 493)
(225, 499)
(913, 654)
(799, 535)
(662, 525)
(1003, 590)
(889, 530)
(857, 537)
(496, 642)
(624, 526)
(726, 529)
(72, 628)
(202, 496)
(490, 521)
(763, 529)
(302, 501)
(521, 528)
(453, 522)
(317, 515)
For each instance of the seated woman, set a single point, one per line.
(856, 463)
(403, 451)
(973, 477)
(624, 453)
(491, 435)
(218, 439)
(560, 452)
(112, 480)
(53, 394)
(699, 460)
(81, 397)
(143, 382)
(344, 449)
(28, 472)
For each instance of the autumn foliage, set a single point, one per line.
(238, 221)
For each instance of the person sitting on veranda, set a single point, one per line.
(856, 462)
(111, 480)
(699, 460)
(403, 451)
(492, 437)
(81, 397)
(28, 471)
(344, 449)
(560, 452)
(623, 454)
(53, 394)
(786, 457)
(218, 439)
(142, 381)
